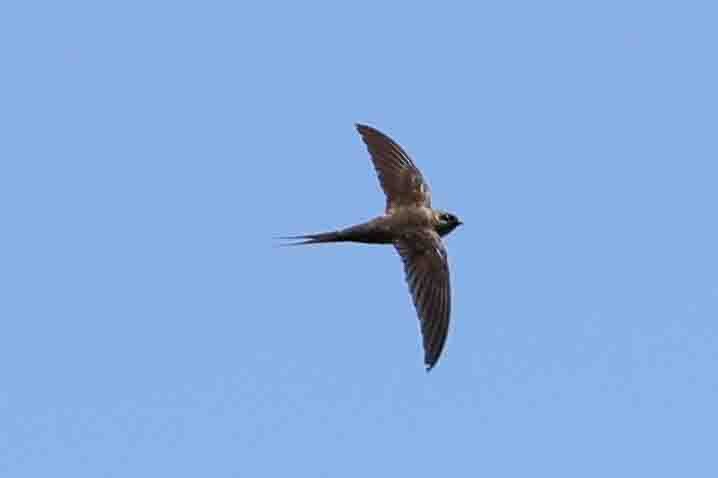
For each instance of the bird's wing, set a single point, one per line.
(400, 179)
(427, 273)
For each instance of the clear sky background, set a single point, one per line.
(150, 152)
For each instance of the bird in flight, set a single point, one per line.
(415, 229)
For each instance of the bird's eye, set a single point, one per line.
(447, 218)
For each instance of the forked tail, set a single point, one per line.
(336, 236)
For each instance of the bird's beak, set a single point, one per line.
(461, 223)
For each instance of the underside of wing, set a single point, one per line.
(400, 179)
(427, 274)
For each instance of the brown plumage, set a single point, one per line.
(415, 230)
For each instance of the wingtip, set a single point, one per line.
(363, 128)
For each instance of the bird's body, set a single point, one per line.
(380, 230)
(415, 230)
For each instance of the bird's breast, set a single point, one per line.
(411, 217)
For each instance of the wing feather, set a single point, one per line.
(427, 274)
(399, 177)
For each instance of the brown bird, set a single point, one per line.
(415, 230)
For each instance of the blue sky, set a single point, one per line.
(151, 151)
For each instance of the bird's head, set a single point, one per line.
(446, 222)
